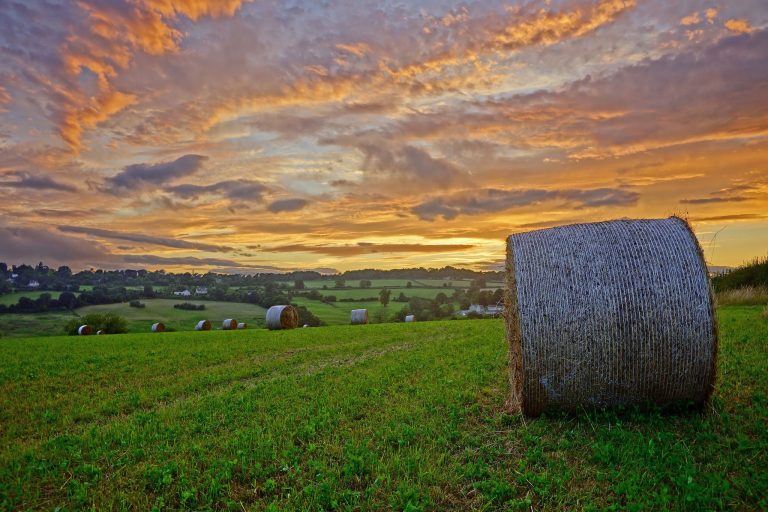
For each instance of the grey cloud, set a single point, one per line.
(713, 200)
(35, 181)
(411, 163)
(482, 201)
(240, 190)
(287, 205)
(30, 245)
(148, 259)
(139, 175)
(145, 239)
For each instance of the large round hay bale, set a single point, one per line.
(359, 316)
(84, 330)
(242, 325)
(282, 317)
(158, 327)
(229, 324)
(608, 314)
(203, 325)
(410, 318)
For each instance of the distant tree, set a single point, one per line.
(3, 268)
(384, 295)
(149, 292)
(408, 284)
(298, 284)
(64, 271)
(441, 298)
(307, 318)
(365, 283)
(340, 282)
(68, 300)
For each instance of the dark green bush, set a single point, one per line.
(110, 323)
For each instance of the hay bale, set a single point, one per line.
(359, 316)
(203, 325)
(84, 330)
(229, 324)
(100, 332)
(410, 318)
(607, 314)
(282, 317)
(242, 325)
(158, 327)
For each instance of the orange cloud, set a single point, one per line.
(740, 26)
(116, 34)
(195, 9)
(691, 19)
(5, 98)
(98, 109)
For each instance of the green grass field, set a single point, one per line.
(13, 297)
(139, 319)
(338, 313)
(393, 416)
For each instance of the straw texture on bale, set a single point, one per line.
(229, 324)
(203, 325)
(158, 327)
(359, 316)
(410, 318)
(282, 317)
(608, 314)
(242, 325)
(84, 330)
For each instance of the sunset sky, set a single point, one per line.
(243, 137)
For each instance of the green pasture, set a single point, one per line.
(380, 417)
(141, 319)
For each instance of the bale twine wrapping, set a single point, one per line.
(410, 318)
(229, 324)
(242, 325)
(158, 327)
(282, 317)
(359, 316)
(203, 325)
(607, 314)
(84, 330)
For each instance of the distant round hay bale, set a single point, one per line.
(158, 327)
(282, 317)
(84, 330)
(100, 332)
(609, 314)
(229, 324)
(359, 316)
(242, 325)
(203, 325)
(410, 318)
